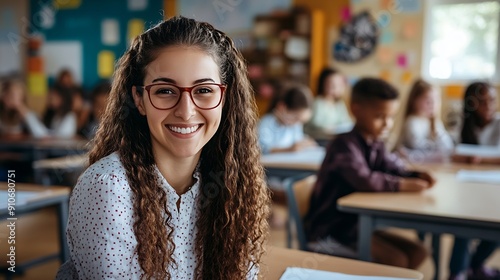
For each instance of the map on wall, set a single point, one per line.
(357, 39)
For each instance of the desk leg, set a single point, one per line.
(436, 247)
(62, 211)
(365, 236)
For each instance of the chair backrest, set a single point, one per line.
(298, 192)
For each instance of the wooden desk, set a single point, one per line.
(59, 166)
(288, 164)
(463, 209)
(45, 197)
(32, 150)
(278, 259)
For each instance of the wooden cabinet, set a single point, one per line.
(283, 47)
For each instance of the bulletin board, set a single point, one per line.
(92, 34)
(397, 55)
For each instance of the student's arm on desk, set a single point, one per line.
(354, 169)
(411, 180)
(100, 233)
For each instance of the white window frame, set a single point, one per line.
(426, 48)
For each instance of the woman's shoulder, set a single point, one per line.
(105, 169)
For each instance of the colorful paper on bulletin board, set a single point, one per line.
(345, 14)
(411, 57)
(407, 6)
(387, 37)
(105, 64)
(383, 19)
(37, 84)
(135, 28)
(454, 91)
(402, 60)
(406, 77)
(409, 29)
(385, 75)
(137, 5)
(67, 4)
(35, 64)
(384, 55)
(110, 32)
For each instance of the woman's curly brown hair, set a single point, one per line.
(234, 203)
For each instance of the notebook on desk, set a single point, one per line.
(477, 150)
(20, 198)
(293, 273)
(479, 176)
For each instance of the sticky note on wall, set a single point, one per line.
(37, 84)
(454, 91)
(105, 64)
(110, 32)
(135, 28)
(67, 4)
(402, 60)
(385, 75)
(406, 77)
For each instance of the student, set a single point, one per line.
(423, 136)
(12, 93)
(329, 109)
(58, 119)
(175, 189)
(65, 79)
(99, 99)
(81, 107)
(357, 161)
(281, 129)
(481, 126)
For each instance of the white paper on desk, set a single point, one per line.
(477, 150)
(489, 176)
(298, 273)
(22, 197)
(309, 155)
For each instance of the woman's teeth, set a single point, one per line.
(184, 130)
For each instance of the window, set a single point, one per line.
(461, 41)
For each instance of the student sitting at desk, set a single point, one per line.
(423, 136)
(99, 98)
(357, 161)
(12, 93)
(481, 126)
(329, 109)
(175, 189)
(281, 129)
(58, 120)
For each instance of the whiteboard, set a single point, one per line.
(58, 55)
(10, 59)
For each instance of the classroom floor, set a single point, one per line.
(36, 235)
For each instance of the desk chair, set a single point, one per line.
(298, 191)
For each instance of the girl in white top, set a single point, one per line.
(481, 126)
(174, 189)
(330, 115)
(481, 120)
(423, 136)
(58, 119)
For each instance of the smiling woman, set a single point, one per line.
(174, 175)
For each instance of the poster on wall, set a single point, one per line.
(357, 39)
(60, 55)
